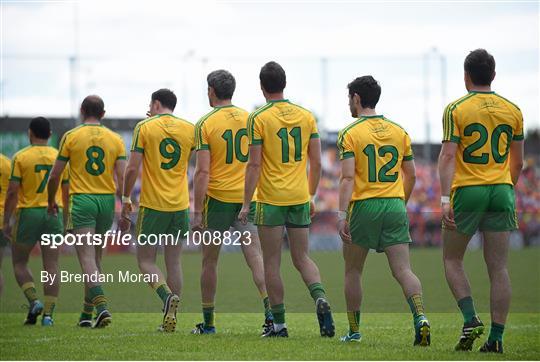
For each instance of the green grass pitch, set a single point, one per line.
(385, 323)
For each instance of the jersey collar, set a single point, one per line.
(374, 116)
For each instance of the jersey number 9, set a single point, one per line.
(171, 151)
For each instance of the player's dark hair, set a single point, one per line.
(40, 127)
(272, 77)
(367, 88)
(222, 82)
(166, 97)
(93, 106)
(480, 65)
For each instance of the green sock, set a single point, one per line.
(417, 307)
(208, 314)
(88, 309)
(267, 311)
(354, 321)
(496, 332)
(466, 305)
(317, 291)
(29, 290)
(278, 311)
(50, 303)
(163, 291)
(98, 298)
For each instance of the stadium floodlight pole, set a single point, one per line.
(73, 64)
(442, 59)
(426, 74)
(190, 54)
(324, 89)
(427, 144)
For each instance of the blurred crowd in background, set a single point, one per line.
(423, 206)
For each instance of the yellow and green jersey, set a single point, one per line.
(92, 151)
(284, 130)
(223, 132)
(483, 124)
(166, 142)
(31, 167)
(379, 146)
(5, 172)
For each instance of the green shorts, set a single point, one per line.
(379, 223)
(32, 222)
(221, 216)
(150, 221)
(484, 208)
(290, 215)
(91, 211)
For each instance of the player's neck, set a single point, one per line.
(274, 97)
(91, 120)
(221, 103)
(38, 142)
(480, 88)
(164, 111)
(367, 112)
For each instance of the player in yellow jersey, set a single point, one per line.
(377, 178)
(479, 164)
(283, 137)
(96, 157)
(30, 171)
(162, 144)
(222, 153)
(5, 172)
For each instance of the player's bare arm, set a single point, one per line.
(130, 177)
(10, 205)
(346, 186)
(447, 166)
(409, 178)
(52, 186)
(516, 160)
(200, 185)
(253, 171)
(119, 170)
(314, 155)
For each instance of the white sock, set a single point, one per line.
(279, 326)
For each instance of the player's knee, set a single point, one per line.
(451, 262)
(496, 269)
(51, 267)
(19, 267)
(144, 265)
(209, 261)
(401, 274)
(300, 260)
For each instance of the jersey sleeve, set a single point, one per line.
(345, 145)
(16, 172)
(254, 131)
(121, 148)
(408, 152)
(137, 144)
(63, 152)
(450, 129)
(518, 131)
(314, 130)
(201, 135)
